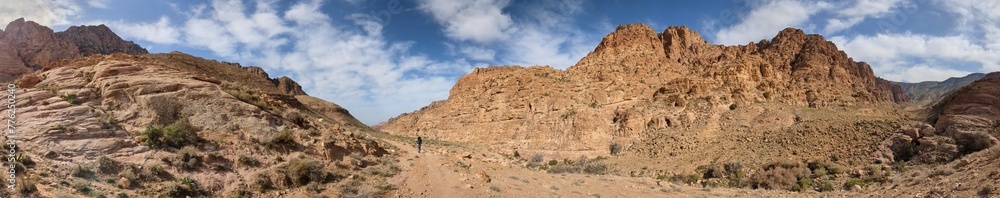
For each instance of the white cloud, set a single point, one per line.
(910, 57)
(478, 53)
(898, 55)
(920, 73)
(764, 21)
(480, 21)
(547, 35)
(349, 64)
(159, 32)
(98, 3)
(47, 13)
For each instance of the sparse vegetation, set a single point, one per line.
(186, 187)
(614, 148)
(283, 139)
(70, 98)
(784, 175)
(188, 158)
(247, 160)
(582, 165)
(82, 171)
(302, 171)
(176, 135)
(975, 142)
(535, 160)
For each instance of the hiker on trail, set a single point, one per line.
(419, 141)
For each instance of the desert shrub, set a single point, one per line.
(283, 138)
(295, 118)
(303, 171)
(70, 98)
(853, 182)
(826, 186)
(693, 178)
(26, 185)
(82, 187)
(974, 142)
(615, 148)
(985, 191)
(106, 165)
(535, 160)
(582, 165)
(176, 135)
(733, 106)
(188, 158)
(804, 184)
(781, 176)
(186, 187)
(82, 171)
(516, 154)
(107, 121)
(553, 162)
(262, 182)
(247, 160)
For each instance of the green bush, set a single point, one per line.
(826, 186)
(853, 182)
(582, 165)
(70, 98)
(186, 187)
(803, 185)
(303, 171)
(188, 158)
(83, 172)
(283, 138)
(176, 135)
(247, 160)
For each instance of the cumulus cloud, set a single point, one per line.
(159, 32)
(547, 35)
(906, 56)
(480, 21)
(351, 64)
(47, 13)
(767, 19)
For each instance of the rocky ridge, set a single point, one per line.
(224, 129)
(644, 91)
(26, 46)
(931, 91)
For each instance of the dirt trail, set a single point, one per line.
(440, 172)
(424, 174)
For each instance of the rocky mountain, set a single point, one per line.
(132, 124)
(26, 46)
(673, 95)
(971, 113)
(930, 91)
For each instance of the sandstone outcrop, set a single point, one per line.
(102, 109)
(644, 90)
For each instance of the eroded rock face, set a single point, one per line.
(638, 83)
(26, 46)
(98, 39)
(102, 105)
(971, 114)
(931, 91)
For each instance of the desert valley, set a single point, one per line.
(646, 113)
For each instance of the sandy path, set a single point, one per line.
(425, 175)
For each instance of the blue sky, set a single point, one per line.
(380, 58)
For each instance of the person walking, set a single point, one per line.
(419, 141)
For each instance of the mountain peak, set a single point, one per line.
(26, 46)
